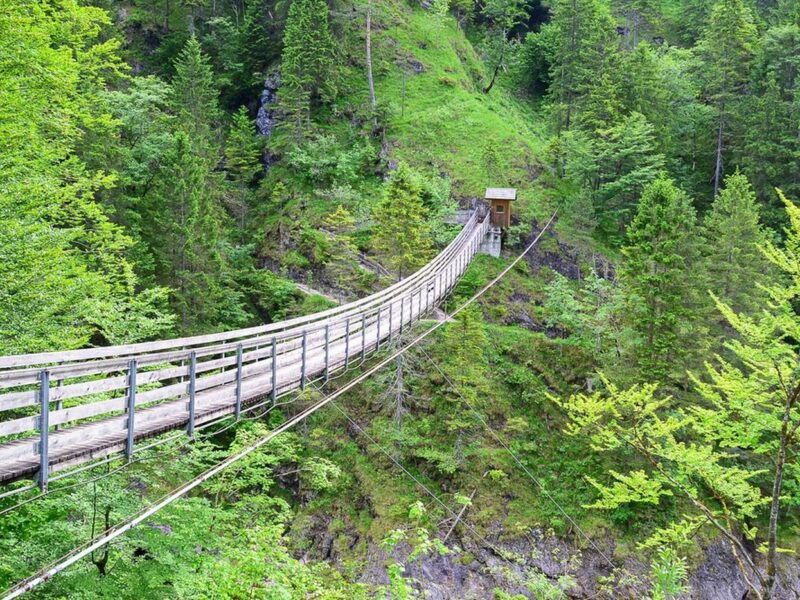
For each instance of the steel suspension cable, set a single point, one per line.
(517, 460)
(114, 532)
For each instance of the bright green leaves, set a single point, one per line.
(636, 486)
(66, 274)
(402, 237)
(744, 412)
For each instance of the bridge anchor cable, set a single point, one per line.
(112, 533)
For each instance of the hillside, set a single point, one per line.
(615, 417)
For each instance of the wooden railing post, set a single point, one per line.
(238, 408)
(303, 365)
(192, 387)
(401, 315)
(274, 370)
(327, 352)
(44, 428)
(131, 407)
(363, 337)
(347, 344)
(391, 328)
(378, 334)
(59, 401)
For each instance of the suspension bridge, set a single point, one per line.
(82, 405)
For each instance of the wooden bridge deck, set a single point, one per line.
(183, 383)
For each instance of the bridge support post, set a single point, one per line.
(59, 401)
(347, 344)
(274, 370)
(44, 429)
(378, 334)
(327, 353)
(131, 407)
(192, 386)
(401, 315)
(363, 337)
(303, 365)
(238, 408)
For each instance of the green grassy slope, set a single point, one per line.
(429, 81)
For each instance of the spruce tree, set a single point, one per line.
(770, 149)
(402, 236)
(727, 49)
(584, 35)
(307, 62)
(243, 161)
(627, 160)
(656, 274)
(194, 96)
(733, 238)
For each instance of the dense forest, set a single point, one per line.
(619, 417)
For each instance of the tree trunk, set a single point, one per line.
(372, 101)
(499, 64)
(774, 512)
(720, 136)
(399, 392)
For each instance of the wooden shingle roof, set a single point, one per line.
(501, 194)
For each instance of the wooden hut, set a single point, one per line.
(500, 201)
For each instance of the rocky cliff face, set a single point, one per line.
(538, 563)
(266, 117)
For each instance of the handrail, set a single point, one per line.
(41, 358)
(216, 378)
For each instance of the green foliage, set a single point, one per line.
(402, 235)
(194, 95)
(243, 161)
(746, 406)
(307, 62)
(668, 574)
(660, 254)
(583, 30)
(733, 238)
(64, 267)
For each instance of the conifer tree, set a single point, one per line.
(402, 235)
(307, 63)
(243, 154)
(627, 160)
(727, 49)
(194, 96)
(584, 30)
(751, 405)
(733, 238)
(656, 274)
(770, 149)
(65, 270)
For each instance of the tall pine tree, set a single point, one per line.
(657, 274)
(402, 236)
(307, 63)
(243, 162)
(769, 117)
(583, 37)
(733, 238)
(727, 49)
